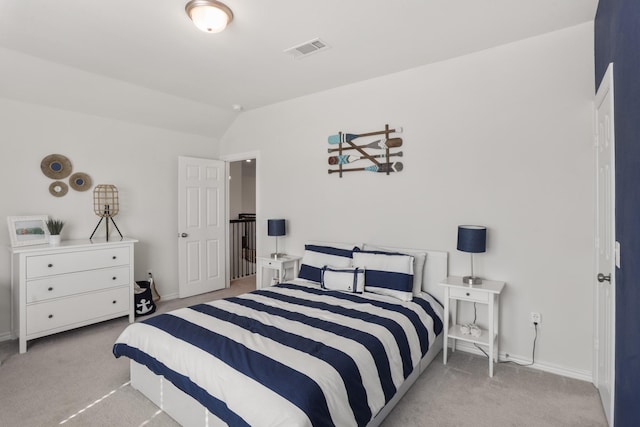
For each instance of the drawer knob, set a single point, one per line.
(114, 257)
(50, 288)
(50, 265)
(468, 294)
(51, 316)
(114, 301)
(113, 278)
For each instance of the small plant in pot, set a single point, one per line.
(55, 228)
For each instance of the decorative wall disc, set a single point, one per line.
(80, 181)
(58, 188)
(56, 166)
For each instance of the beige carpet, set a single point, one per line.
(72, 379)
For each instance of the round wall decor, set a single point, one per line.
(80, 181)
(58, 188)
(56, 166)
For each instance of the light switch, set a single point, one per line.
(618, 254)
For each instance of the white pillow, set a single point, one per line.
(386, 273)
(343, 279)
(420, 259)
(315, 257)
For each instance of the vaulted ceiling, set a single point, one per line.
(150, 48)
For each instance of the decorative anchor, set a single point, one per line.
(144, 306)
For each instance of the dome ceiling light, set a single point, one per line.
(209, 16)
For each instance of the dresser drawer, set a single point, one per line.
(469, 295)
(81, 309)
(61, 263)
(76, 283)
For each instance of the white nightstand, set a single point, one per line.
(486, 293)
(280, 265)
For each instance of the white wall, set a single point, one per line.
(249, 186)
(141, 161)
(235, 189)
(242, 188)
(501, 138)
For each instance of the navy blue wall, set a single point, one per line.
(617, 40)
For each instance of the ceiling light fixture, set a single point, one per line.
(209, 16)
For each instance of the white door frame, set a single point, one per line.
(236, 158)
(606, 88)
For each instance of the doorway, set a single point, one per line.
(242, 202)
(242, 219)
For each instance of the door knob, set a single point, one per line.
(602, 277)
(184, 235)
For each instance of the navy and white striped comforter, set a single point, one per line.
(293, 354)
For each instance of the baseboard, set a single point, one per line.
(541, 366)
(169, 297)
(6, 336)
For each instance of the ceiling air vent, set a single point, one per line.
(307, 48)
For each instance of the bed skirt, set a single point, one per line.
(189, 412)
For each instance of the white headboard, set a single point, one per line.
(436, 269)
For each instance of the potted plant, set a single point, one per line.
(55, 227)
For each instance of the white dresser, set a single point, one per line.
(56, 288)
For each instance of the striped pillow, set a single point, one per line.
(343, 279)
(315, 257)
(419, 261)
(386, 273)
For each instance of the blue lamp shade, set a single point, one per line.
(472, 238)
(275, 227)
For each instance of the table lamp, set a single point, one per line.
(472, 239)
(276, 227)
(106, 206)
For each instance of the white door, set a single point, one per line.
(605, 245)
(201, 226)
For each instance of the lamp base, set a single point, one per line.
(471, 280)
(277, 255)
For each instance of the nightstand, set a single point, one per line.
(488, 293)
(280, 265)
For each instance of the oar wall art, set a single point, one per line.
(378, 154)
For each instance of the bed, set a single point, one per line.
(295, 354)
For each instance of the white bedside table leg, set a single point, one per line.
(497, 327)
(296, 268)
(492, 341)
(454, 320)
(446, 326)
(259, 275)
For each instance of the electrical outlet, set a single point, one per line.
(535, 318)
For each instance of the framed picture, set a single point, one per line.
(28, 230)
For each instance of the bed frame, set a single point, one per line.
(189, 412)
